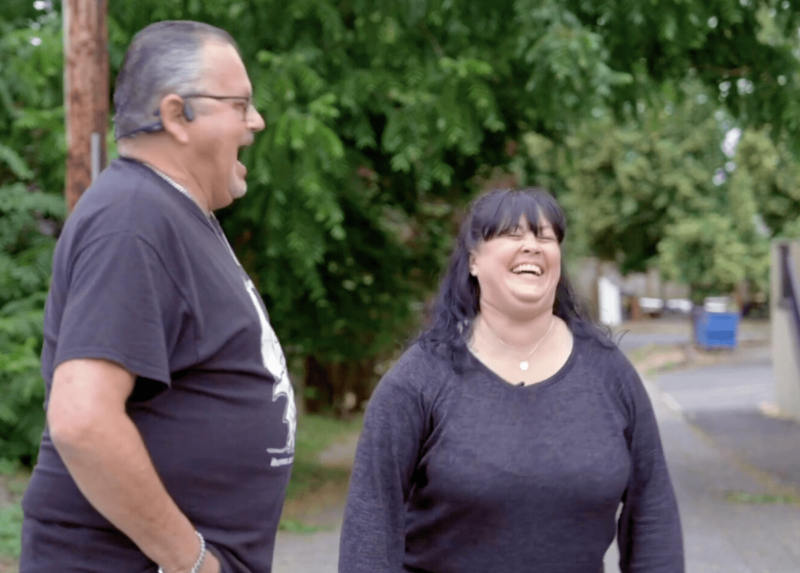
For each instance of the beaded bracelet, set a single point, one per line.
(199, 563)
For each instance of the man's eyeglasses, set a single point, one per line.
(242, 103)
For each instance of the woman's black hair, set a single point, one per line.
(458, 302)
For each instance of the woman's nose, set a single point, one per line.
(530, 244)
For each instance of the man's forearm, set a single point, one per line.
(111, 466)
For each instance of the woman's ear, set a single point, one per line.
(472, 264)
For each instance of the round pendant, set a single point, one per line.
(523, 365)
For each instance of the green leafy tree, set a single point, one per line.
(379, 117)
(32, 151)
(652, 191)
(383, 118)
(25, 256)
(766, 164)
(744, 51)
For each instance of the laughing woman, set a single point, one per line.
(508, 436)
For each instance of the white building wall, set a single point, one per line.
(610, 302)
(785, 348)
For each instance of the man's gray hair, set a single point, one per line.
(163, 58)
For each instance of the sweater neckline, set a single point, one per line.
(554, 379)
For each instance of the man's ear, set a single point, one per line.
(173, 118)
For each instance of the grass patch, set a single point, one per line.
(316, 486)
(10, 527)
(297, 526)
(642, 352)
(761, 499)
(13, 482)
(654, 358)
(315, 434)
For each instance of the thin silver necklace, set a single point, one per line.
(523, 365)
(180, 188)
(209, 215)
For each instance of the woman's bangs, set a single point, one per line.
(504, 211)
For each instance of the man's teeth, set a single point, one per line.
(528, 268)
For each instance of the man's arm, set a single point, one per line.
(107, 458)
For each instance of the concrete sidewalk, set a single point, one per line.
(730, 463)
(711, 479)
(733, 404)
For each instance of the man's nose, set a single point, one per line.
(255, 121)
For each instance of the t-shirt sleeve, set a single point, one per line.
(649, 537)
(121, 306)
(373, 532)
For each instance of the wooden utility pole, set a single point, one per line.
(85, 92)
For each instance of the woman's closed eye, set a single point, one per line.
(514, 232)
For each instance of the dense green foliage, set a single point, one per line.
(660, 194)
(32, 152)
(767, 168)
(379, 117)
(384, 118)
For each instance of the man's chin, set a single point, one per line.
(239, 191)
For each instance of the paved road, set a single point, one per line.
(307, 553)
(316, 552)
(632, 340)
(708, 470)
(720, 447)
(733, 404)
(747, 384)
(679, 333)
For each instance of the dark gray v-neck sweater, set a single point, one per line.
(463, 473)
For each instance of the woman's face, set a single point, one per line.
(518, 272)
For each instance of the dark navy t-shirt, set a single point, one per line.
(142, 277)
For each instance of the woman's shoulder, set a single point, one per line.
(418, 362)
(418, 370)
(605, 356)
(611, 368)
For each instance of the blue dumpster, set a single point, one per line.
(716, 329)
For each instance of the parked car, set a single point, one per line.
(718, 304)
(651, 306)
(679, 305)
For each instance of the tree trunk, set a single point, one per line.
(340, 387)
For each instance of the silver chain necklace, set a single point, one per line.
(179, 187)
(209, 215)
(523, 365)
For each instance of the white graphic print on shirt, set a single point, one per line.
(275, 362)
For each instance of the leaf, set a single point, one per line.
(17, 165)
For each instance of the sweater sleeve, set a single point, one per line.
(395, 424)
(649, 536)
